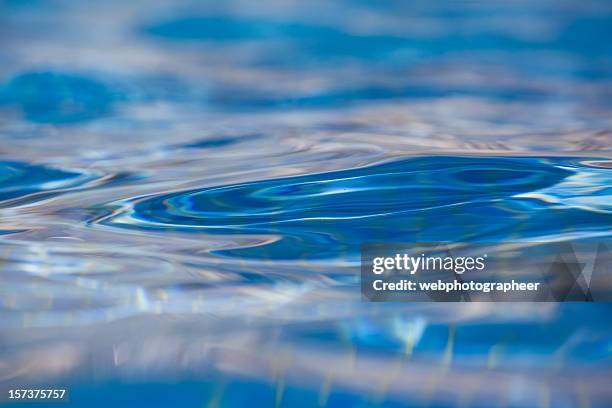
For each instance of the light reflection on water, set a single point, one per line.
(184, 187)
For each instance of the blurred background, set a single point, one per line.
(184, 187)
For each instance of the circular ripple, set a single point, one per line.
(328, 215)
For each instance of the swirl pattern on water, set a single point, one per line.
(23, 181)
(327, 215)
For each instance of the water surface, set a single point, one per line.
(184, 188)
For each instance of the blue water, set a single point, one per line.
(328, 215)
(184, 188)
(23, 181)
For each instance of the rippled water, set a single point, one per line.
(327, 215)
(184, 188)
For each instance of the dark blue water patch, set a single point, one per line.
(220, 141)
(21, 182)
(251, 99)
(344, 127)
(584, 35)
(328, 215)
(59, 98)
(19, 3)
(313, 39)
(580, 36)
(71, 98)
(312, 44)
(213, 29)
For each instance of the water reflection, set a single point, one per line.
(184, 187)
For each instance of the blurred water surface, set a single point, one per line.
(184, 187)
